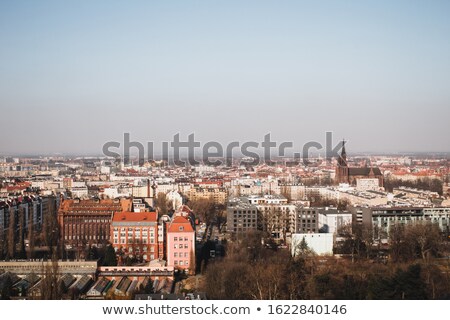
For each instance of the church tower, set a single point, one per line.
(342, 166)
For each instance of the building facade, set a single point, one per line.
(242, 216)
(28, 213)
(322, 220)
(382, 219)
(88, 222)
(135, 234)
(217, 194)
(181, 244)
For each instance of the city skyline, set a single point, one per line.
(76, 75)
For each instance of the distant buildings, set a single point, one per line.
(415, 193)
(346, 174)
(217, 194)
(367, 184)
(249, 187)
(107, 201)
(175, 198)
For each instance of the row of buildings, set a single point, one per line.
(132, 227)
(283, 220)
(280, 218)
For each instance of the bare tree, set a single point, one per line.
(396, 239)
(162, 203)
(49, 287)
(367, 236)
(204, 208)
(267, 281)
(425, 238)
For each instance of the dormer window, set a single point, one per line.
(181, 228)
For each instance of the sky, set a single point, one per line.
(77, 74)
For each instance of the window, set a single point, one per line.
(175, 239)
(181, 228)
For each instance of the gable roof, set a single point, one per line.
(178, 222)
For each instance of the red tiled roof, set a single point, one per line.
(135, 216)
(178, 222)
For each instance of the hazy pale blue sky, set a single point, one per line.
(75, 74)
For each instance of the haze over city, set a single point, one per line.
(290, 152)
(74, 75)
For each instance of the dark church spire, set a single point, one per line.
(342, 161)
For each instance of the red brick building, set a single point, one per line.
(136, 234)
(346, 174)
(88, 222)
